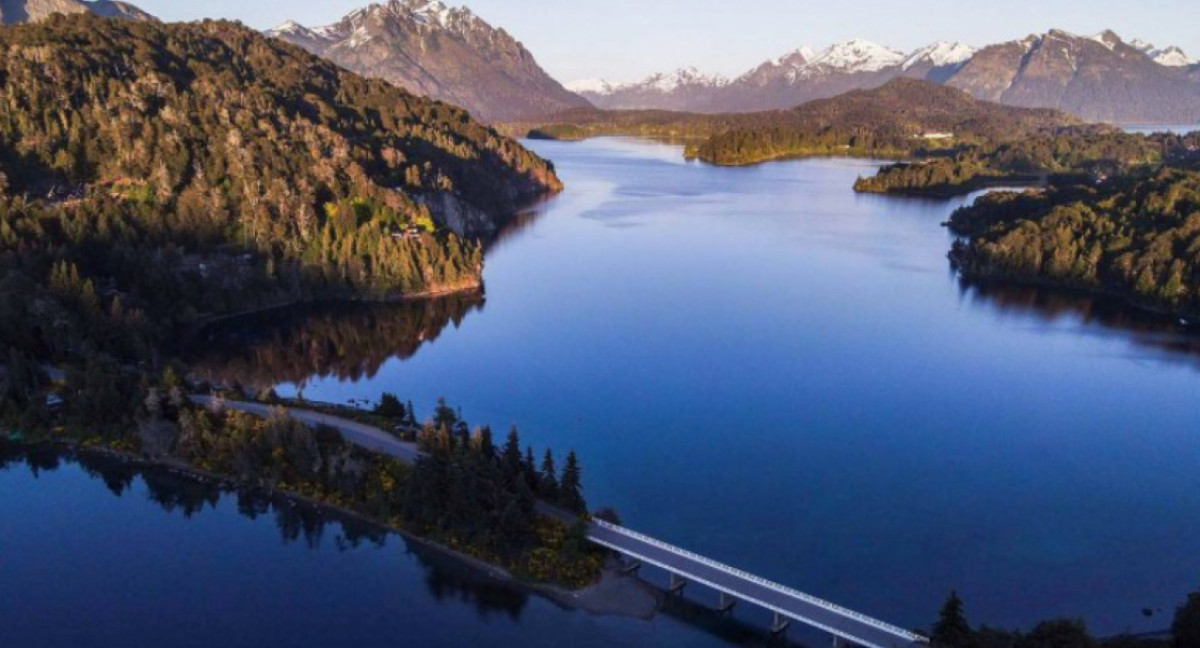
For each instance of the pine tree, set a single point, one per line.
(571, 487)
(952, 629)
(510, 456)
(549, 477)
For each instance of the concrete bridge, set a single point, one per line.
(733, 585)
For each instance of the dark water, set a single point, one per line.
(762, 366)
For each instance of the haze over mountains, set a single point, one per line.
(441, 52)
(1100, 78)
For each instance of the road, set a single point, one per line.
(788, 602)
(364, 436)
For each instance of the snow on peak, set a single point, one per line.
(594, 86)
(1107, 38)
(289, 27)
(664, 82)
(688, 76)
(940, 54)
(1169, 56)
(856, 56)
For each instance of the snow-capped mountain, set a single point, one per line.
(939, 54)
(678, 90)
(444, 52)
(851, 57)
(1171, 56)
(1098, 77)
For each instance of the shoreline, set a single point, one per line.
(1145, 307)
(614, 594)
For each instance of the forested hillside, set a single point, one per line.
(1084, 152)
(1135, 236)
(902, 118)
(152, 175)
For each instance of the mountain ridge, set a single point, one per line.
(446, 53)
(1120, 81)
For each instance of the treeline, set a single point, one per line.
(1088, 153)
(952, 630)
(1135, 236)
(152, 176)
(469, 491)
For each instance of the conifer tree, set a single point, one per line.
(952, 629)
(571, 488)
(549, 477)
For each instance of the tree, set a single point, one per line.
(390, 407)
(571, 487)
(549, 477)
(1059, 633)
(952, 629)
(1186, 626)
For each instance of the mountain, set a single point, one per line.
(445, 53)
(679, 90)
(1099, 78)
(19, 11)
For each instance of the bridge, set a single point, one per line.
(736, 585)
(733, 585)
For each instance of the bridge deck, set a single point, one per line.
(844, 623)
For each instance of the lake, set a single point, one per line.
(753, 363)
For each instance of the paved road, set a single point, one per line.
(364, 436)
(788, 602)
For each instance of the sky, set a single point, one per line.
(624, 40)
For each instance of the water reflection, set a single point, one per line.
(347, 341)
(296, 520)
(1173, 340)
(445, 579)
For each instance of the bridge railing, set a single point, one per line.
(783, 589)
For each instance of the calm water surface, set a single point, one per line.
(756, 364)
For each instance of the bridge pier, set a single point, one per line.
(631, 567)
(725, 603)
(840, 642)
(677, 583)
(779, 624)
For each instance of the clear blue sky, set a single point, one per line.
(627, 39)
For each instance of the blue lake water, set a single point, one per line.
(756, 364)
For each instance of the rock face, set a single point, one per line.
(20, 11)
(1099, 78)
(444, 53)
